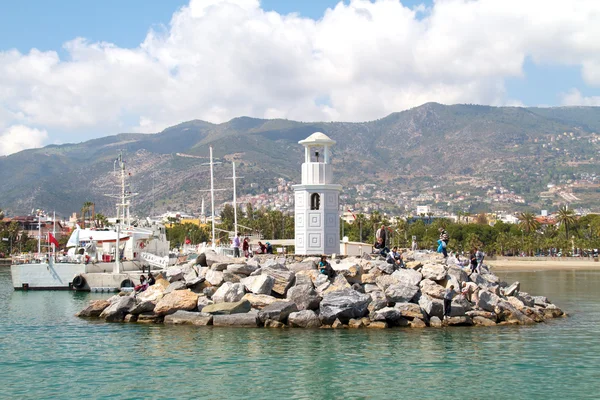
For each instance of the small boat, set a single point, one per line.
(99, 259)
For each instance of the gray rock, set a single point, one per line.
(481, 321)
(509, 313)
(189, 273)
(378, 301)
(389, 314)
(248, 320)
(384, 281)
(214, 258)
(261, 284)
(306, 277)
(401, 292)
(305, 297)
(458, 321)
(459, 306)
(201, 260)
(241, 269)
(407, 276)
(385, 267)
(215, 278)
(343, 304)
(432, 306)
(512, 289)
(149, 318)
(203, 301)
(239, 307)
(219, 266)
(189, 318)
(541, 301)
(94, 309)
(432, 289)
(177, 285)
(302, 266)
(458, 273)
(229, 293)
(118, 309)
(435, 322)
(194, 283)
(259, 300)
(369, 287)
(321, 279)
(142, 307)
(487, 300)
(174, 274)
(209, 291)
(278, 311)
(304, 319)
(435, 272)
(282, 276)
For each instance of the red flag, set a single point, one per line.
(52, 239)
(352, 214)
(187, 241)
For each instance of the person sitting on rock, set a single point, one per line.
(262, 249)
(269, 248)
(394, 257)
(151, 280)
(380, 248)
(142, 286)
(325, 268)
(448, 296)
(246, 247)
(444, 237)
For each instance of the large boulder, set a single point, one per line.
(343, 304)
(389, 314)
(215, 278)
(305, 297)
(283, 277)
(339, 283)
(435, 272)
(94, 309)
(307, 277)
(229, 293)
(174, 274)
(458, 274)
(407, 276)
(481, 321)
(260, 284)
(189, 318)
(463, 320)
(509, 313)
(278, 311)
(401, 292)
(349, 269)
(487, 300)
(431, 306)
(303, 266)
(378, 301)
(117, 310)
(432, 289)
(177, 285)
(153, 293)
(385, 267)
(239, 307)
(459, 306)
(304, 319)
(513, 289)
(177, 300)
(241, 269)
(409, 310)
(143, 306)
(383, 281)
(249, 320)
(214, 258)
(203, 301)
(190, 274)
(259, 300)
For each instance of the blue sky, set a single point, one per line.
(364, 81)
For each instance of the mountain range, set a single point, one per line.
(448, 148)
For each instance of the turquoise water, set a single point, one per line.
(48, 353)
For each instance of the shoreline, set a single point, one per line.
(512, 265)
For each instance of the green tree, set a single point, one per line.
(528, 222)
(566, 218)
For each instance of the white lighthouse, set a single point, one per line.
(316, 200)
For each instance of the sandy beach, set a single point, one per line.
(510, 264)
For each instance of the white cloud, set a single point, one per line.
(574, 98)
(20, 137)
(219, 59)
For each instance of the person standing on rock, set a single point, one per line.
(473, 260)
(444, 237)
(413, 246)
(381, 236)
(479, 255)
(236, 245)
(246, 247)
(448, 296)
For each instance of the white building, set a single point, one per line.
(317, 219)
(423, 210)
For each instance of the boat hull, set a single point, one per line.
(60, 276)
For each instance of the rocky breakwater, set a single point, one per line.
(365, 292)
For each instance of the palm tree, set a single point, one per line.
(85, 210)
(567, 218)
(528, 222)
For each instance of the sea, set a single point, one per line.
(46, 352)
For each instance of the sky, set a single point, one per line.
(75, 70)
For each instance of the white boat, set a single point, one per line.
(99, 259)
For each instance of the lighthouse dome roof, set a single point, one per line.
(318, 139)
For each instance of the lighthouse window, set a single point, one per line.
(315, 201)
